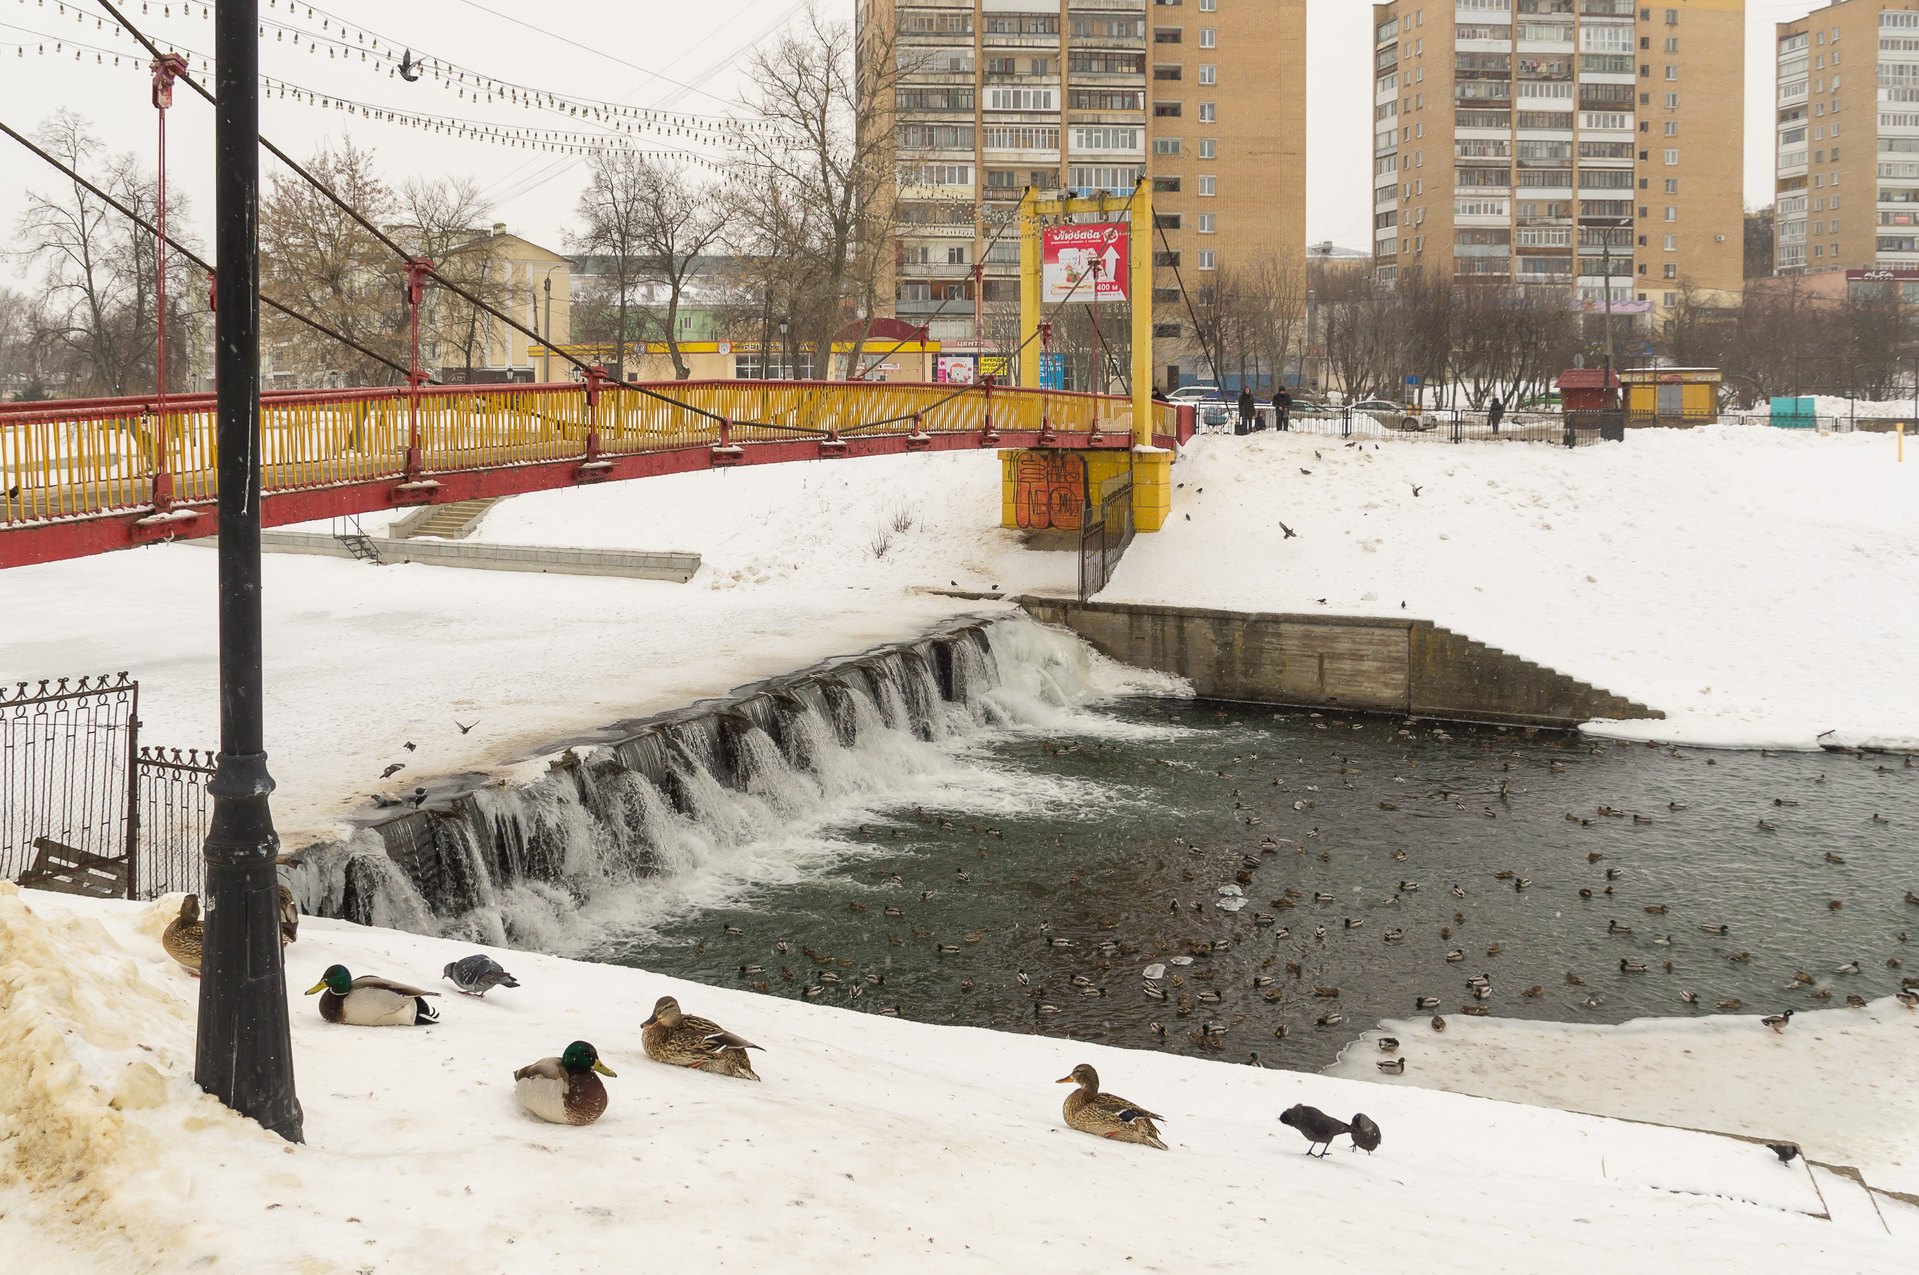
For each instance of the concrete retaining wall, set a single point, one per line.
(1351, 662)
(627, 563)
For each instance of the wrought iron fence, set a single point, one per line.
(67, 749)
(172, 812)
(1104, 533)
(84, 808)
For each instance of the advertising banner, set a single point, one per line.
(1084, 262)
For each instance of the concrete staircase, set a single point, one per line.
(445, 522)
(1449, 662)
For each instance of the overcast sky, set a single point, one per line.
(681, 57)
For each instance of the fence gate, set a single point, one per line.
(172, 813)
(67, 753)
(1104, 532)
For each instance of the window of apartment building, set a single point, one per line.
(1168, 74)
(1672, 243)
(1022, 99)
(1208, 38)
(1168, 35)
(1672, 213)
(1672, 101)
(1208, 259)
(1672, 157)
(1208, 223)
(1672, 44)
(1106, 99)
(1002, 66)
(1208, 73)
(930, 137)
(1672, 185)
(1119, 179)
(956, 256)
(1208, 112)
(1208, 185)
(1166, 110)
(1166, 185)
(934, 99)
(1022, 23)
(915, 255)
(1208, 6)
(1021, 137)
(1107, 137)
(1208, 148)
(936, 175)
(1108, 28)
(1672, 270)
(1040, 66)
(1672, 128)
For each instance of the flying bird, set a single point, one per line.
(465, 728)
(1416, 490)
(393, 770)
(409, 69)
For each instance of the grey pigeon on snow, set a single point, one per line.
(478, 974)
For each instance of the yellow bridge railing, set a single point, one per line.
(97, 456)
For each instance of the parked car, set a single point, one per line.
(1210, 404)
(1391, 414)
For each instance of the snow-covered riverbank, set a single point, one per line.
(873, 1144)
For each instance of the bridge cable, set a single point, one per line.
(1199, 329)
(191, 256)
(398, 251)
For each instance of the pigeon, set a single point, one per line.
(1314, 1125)
(393, 770)
(465, 728)
(409, 69)
(1416, 489)
(1290, 533)
(1786, 1151)
(1365, 1134)
(409, 745)
(477, 975)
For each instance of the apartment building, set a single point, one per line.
(1594, 145)
(1205, 97)
(1847, 181)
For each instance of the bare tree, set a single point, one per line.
(96, 321)
(825, 148)
(321, 262)
(446, 221)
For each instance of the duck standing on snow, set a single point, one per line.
(183, 935)
(1106, 1115)
(564, 1090)
(679, 1039)
(1777, 1021)
(1314, 1125)
(478, 974)
(370, 1001)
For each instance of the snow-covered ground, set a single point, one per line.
(1839, 1082)
(873, 1144)
(1759, 586)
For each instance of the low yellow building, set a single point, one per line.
(1672, 395)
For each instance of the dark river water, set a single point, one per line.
(1335, 832)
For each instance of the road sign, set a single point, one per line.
(1084, 261)
(1412, 382)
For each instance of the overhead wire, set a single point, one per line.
(189, 254)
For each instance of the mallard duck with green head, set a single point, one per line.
(370, 1001)
(1107, 1115)
(679, 1039)
(183, 935)
(565, 1090)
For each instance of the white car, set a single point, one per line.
(1212, 406)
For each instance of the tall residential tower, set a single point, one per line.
(1584, 144)
(1207, 98)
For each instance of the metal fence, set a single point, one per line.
(84, 808)
(67, 749)
(1104, 533)
(172, 810)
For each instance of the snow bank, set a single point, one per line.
(1839, 1082)
(873, 1144)
(1756, 585)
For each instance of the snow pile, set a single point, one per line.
(873, 1144)
(1756, 585)
(1842, 1083)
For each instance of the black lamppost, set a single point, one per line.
(786, 353)
(243, 1052)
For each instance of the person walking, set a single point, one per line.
(1282, 408)
(1246, 409)
(1495, 412)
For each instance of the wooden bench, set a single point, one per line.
(65, 870)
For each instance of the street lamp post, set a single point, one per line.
(546, 285)
(243, 1052)
(786, 353)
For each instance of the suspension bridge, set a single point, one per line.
(85, 477)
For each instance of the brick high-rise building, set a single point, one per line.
(1847, 182)
(1205, 97)
(1583, 144)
